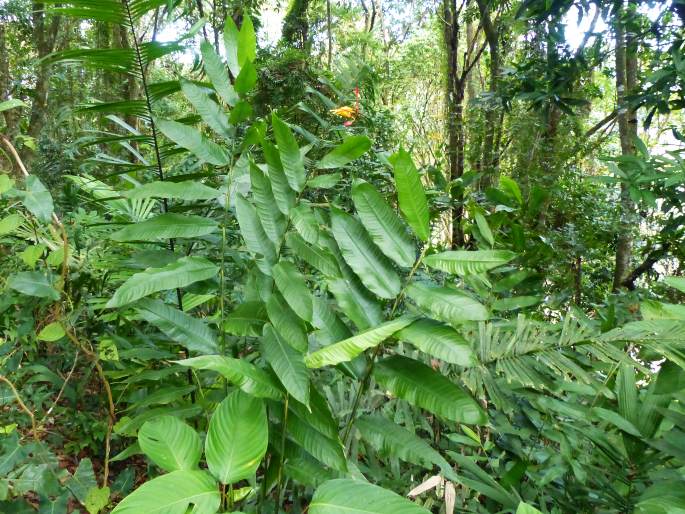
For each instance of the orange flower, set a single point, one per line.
(346, 112)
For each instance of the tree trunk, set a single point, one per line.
(490, 159)
(626, 80)
(454, 115)
(329, 34)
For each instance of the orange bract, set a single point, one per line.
(346, 111)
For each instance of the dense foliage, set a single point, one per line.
(409, 257)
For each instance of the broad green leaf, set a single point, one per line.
(289, 151)
(31, 254)
(52, 332)
(328, 322)
(283, 193)
(313, 255)
(32, 283)
(350, 149)
(247, 42)
(484, 229)
(358, 497)
(439, 341)
(305, 222)
(294, 289)
(676, 282)
(12, 103)
(355, 301)
(173, 493)
(210, 112)
(10, 223)
(363, 256)
(216, 72)
(410, 194)
(247, 319)
(383, 225)
(37, 199)
(246, 79)
(318, 415)
(6, 183)
(327, 181)
(348, 349)
(191, 139)
(614, 418)
(651, 309)
(170, 443)
(287, 323)
(423, 387)
(182, 273)
(192, 333)
(256, 240)
(288, 364)
(524, 508)
(166, 226)
(391, 439)
(446, 304)
(231, 38)
(237, 438)
(515, 302)
(464, 263)
(326, 450)
(272, 220)
(240, 372)
(96, 499)
(186, 190)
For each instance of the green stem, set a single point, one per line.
(282, 456)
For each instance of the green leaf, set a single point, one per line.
(166, 226)
(246, 79)
(216, 72)
(186, 190)
(283, 193)
(32, 283)
(524, 508)
(248, 377)
(446, 304)
(12, 103)
(357, 497)
(37, 199)
(389, 438)
(464, 263)
(365, 259)
(348, 349)
(484, 229)
(97, 499)
(313, 255)
(210, 112)
(411, 195)
(294, 289)
(289, 151)
(515, 302)
(237, 438)
(231, 38)
(305, 223)
(256, 240)
(181, 273)
(287, 323)
(350, 149)
(383, 225)
(192, 333)
(288, 364)
(423, 387)
(52, 332)
(271, 219)
(614, 418)
(31, 254)
(173, 494)
(439, 341)
(9, 224)
(191, 139)
(170, 443)
(327, 181)
(247, 319)
(6, 183)
(676, 282)
(247, 42)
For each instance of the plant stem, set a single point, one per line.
(282, 456)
